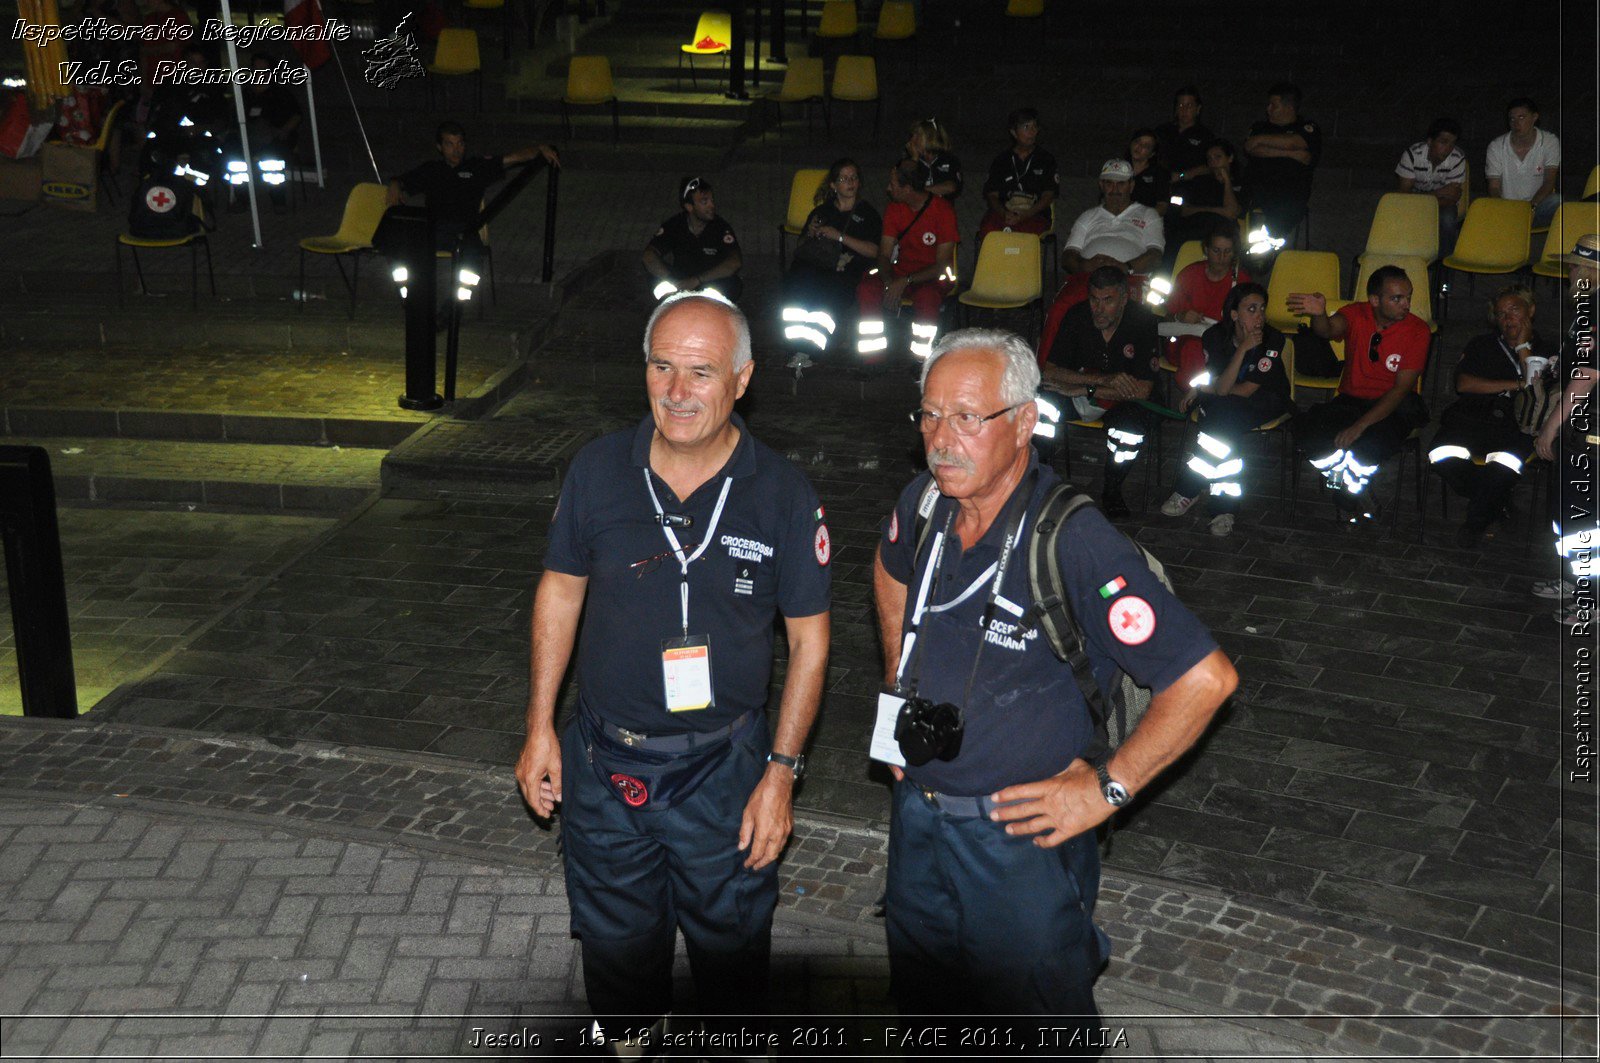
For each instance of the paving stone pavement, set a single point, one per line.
(176, 894)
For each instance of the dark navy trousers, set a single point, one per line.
(635, 878)
(983, 923)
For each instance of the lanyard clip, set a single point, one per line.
(674, 520)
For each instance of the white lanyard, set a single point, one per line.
(677, 548)
(1515, 362)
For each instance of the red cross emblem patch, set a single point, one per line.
(632, 790)
(160, 199)
(1131, 620)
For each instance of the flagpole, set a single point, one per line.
(244, 132)
(316, 138)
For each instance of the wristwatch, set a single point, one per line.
(1115, 793)
(794, 764)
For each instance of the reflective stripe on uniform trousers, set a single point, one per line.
(1049, 418)
(1506, 458)
(1355, 474)
(1224, 476)
(870, 337)
(922, 337)
(1579, 548)
(1124, 446)
(1449, 450)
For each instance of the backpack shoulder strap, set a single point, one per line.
(1052, 607)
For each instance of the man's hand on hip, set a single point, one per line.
(1055, 809)
(768, 817)
(539, 771)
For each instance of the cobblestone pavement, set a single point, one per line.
(178, 887)
(141, 582)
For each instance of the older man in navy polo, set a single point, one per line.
(993, 868)
(686, 538)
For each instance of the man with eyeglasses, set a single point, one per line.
(695, 248)
(993, 865)
(677, 543)
(1104, 360)
(1377, 407)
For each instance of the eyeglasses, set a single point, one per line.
(1372, 348)
(965, 424)
(643, 568)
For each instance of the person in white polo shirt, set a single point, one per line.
(1525, 163)
(1436, 167)
(1118, 232)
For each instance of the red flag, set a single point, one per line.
(298, 13)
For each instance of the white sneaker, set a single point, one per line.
(1222, 524)
(1557, 588)
(801, 360)
(1176, 505)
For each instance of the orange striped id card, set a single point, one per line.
(686, 672)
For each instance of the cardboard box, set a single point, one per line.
(19, 180)
(68, 173)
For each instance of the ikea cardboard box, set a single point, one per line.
(67, 177)
(19, 180)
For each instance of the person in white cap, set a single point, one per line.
(1119, 233)
(1570, 437)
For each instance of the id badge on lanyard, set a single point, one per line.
(686, 660)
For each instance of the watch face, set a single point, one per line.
(1116, 793)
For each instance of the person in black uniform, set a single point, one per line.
(838, 244)
(453, 186)
(1182, 141)
(1214, 191)
(695, 248)
(1023, 181)
(1244, 385)
(930, 145)
(1482, 423)
(993, 868)
(674, 547)
(1152, 182)
(1570, 438)
(1284, 149)
(1104, 360)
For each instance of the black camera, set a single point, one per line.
(926, 731)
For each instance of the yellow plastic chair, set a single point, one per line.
(897, 21)
(1405, 224)
(456, 55)
(1592, 185)
(1191, 252)
(193, 241)
(363, 209)
(1008, 275)
(839, 20)
(1025, 9)
(713, 35)
(1571, 221)
(1050, 239)
(1306, 381)
(589, 84)
(102, 143)
(1494, 240)
(1300, 271)
(855, 80)
(1416, 268)
(802, 198)
(803, 83)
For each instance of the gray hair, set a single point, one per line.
(741, 324)
(1020, 382)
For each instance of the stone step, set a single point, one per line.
(232, 475)
(208, 427)
(500, 458)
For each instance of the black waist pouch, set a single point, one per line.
(646, 780)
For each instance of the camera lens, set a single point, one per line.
(926, 731)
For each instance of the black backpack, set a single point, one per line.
(163, 208)
(1114, 717)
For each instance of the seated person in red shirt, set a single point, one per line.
(695, 248)
(916, 260)
(1104, 359)
(1198, 292)
(1022, 183)
(1242, 384)
(1118, 232)
(1386, 350)
(1482, 422)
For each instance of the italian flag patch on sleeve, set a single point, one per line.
(1116, 586)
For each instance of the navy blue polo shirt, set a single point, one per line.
(769, 554)
(1026, 719)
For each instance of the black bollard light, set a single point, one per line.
(410, 248)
